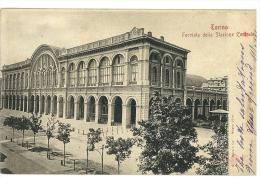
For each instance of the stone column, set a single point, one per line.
(85, 111)
(124, 116)
(76, 110)
(110, 69)
(58, 108)
(45, 105)
(64, 108)
(28, 104)
(40, 104)
(34, 104)
(193, 110)
(96, 112)
(109, 114)
(52, 106)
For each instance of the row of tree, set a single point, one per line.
(23, 123)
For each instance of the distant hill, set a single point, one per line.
(195, 80)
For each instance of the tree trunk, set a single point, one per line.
(23, 138)
(48, 148)
(13, 134)
(118, 164)
(64, 155)
(87, 157)
(34, 138)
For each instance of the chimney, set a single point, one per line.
(162, 38)
(150, 34)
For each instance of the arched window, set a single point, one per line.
(37, 79)
(178, 80)
(118, 70)
(167, 78)
(81, 76)
(43, 78)
(22, 80)
(155, 68)
(133, 69)
(6, 82)
(14, 81)
(154, 75)
(167, 68)
(10, 82)
(92, 73)
(55, 77)
(18, 81)
(62, 77)
(49, 76)
(26, 80)
(179, 73)
(104, 71)
(71, 75)
(44, 71)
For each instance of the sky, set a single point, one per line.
(22, 31)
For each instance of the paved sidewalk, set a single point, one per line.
(21, 161)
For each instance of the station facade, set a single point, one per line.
(110, 81)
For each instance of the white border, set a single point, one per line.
(142, 4)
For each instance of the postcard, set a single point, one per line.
(129, 92)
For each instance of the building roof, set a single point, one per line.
(134, 34)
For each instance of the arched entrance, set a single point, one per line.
(25, 103)
(178, 101)
(14, 102)
(37, 104)
(91, 109)
(118, 110)
(10, 102)
(6, 101)
(218, 104)
(204, 108)
(71, 105)
(196, 108)
(131, 113)
(54, 105)
(48, 107)
(189, 106)
(211, 105)
(17, 102)
(42, 104)
(21, 108)
(32, 104)
(103, 110)
(61, 105)
(81, 108)
(225, 105)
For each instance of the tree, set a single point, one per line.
(120, 148)
(11, 122)
(50, 131)
(35, 125)
(23, 124)
(64, 136)
(167, 138)
(217, 162)
(93, 137)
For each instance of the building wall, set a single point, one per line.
(115, 82)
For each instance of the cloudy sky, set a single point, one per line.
(22, 31)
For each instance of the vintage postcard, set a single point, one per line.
(130, 92)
